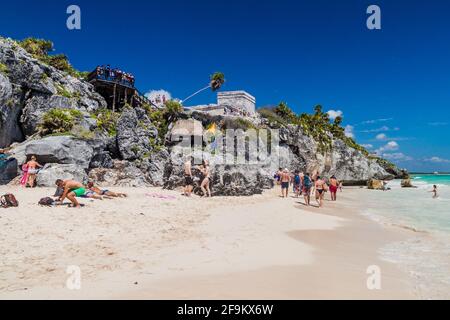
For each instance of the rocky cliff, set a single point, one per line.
(131, 150)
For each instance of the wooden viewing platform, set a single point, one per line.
(117, 88)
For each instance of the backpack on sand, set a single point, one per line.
(47, 201)
(8, 200)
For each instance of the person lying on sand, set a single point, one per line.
(105, 192)
(72, 189)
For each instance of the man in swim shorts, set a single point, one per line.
(72, 189)
(334, 184)
(285, 178)
(188, 180)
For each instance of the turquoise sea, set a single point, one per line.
(426, 255)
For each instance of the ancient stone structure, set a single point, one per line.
(237, 99)
(238, 103)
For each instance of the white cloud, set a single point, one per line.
(349, 131)
(333, 114)
(396, 156)
(390, 146)
(381, 129)
(376, 121)
(367, 146)
(437, 160)
(158, 96)
(381, 136)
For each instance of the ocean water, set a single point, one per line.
(426, 254)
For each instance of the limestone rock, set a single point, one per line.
(52, 171)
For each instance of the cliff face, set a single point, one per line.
(29, 88)
(132, 154)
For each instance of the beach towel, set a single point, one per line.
(160, 196)
(24, 180)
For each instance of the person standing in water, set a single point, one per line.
(434, 192)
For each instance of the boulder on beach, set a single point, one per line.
(375, 184)
(406, 183)
(52, 171)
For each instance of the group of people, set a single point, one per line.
(72, 189)
(116, 75)
(305, 184)
(204, 181)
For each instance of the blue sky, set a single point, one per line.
(392, 85)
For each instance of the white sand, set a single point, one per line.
(143, 247)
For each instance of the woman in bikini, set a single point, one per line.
(206, 179)
(321, 187)
(32, 169)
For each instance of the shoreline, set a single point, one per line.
(146, 247)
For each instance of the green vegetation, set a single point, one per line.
(107, 121)
(161, 118)
(40, 49)
(4, 69)
(59, 121)
(63, 92)
(236, 124)
(316, 125)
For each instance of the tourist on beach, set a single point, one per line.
(188, 180)
(434, 192)
(205, 179)
(72, 189)
(297, 183)
(277, 176)
(321, 187)
(32, 169)
(307, 184)
(334, 184)
(104, 192)
(285, 178)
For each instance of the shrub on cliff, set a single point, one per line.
(107, 121)
(59, 121)
(40, 49)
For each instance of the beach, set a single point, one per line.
(157, 244)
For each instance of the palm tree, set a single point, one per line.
(215, 83)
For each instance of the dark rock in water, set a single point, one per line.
(8, 170)
(62, 150)
(136, 135)
(52, 171)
